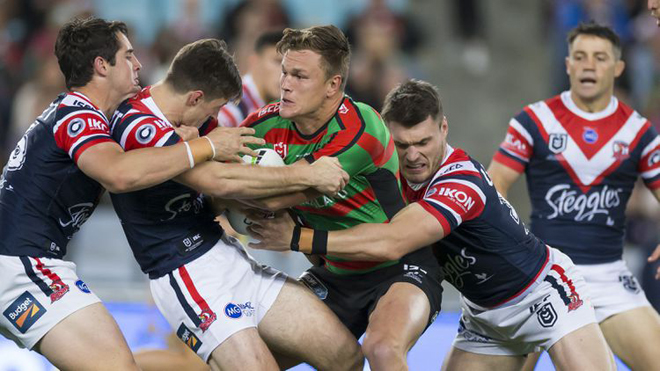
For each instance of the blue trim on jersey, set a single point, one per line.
(560, 289)
(182, 300)
(27, 264)
(172, 140)
(514, 158)
(118, 130)
(526, 121)
(91, 138)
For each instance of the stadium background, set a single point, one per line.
(489, 59)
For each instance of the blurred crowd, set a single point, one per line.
(384, 39)
(385, 36)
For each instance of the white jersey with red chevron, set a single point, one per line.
(233, 114)
(581, 168)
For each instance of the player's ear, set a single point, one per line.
(618, 69)
(194, 97)
(100, 66)
(334, 85)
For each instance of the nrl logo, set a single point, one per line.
(557, 142)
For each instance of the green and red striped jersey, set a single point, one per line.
(358, 137)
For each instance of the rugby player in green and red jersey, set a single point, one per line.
(393, 301)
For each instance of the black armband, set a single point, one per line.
(295, 238)
(320, 242)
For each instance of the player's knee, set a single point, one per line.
(382, 350)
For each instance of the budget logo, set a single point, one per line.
(24, 312)
(189, 338)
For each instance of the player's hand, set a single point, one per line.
(328, 175)
(230, 143)
(273, 233)
(187, 132)
(654, 258)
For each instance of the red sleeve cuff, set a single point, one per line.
(446, 228)
(509, 162)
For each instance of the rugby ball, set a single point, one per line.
(265, 157)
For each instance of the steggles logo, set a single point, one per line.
(565, 201)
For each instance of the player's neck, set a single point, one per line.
(311, 123)
(168, 101)
(591, 105)
(106, 100)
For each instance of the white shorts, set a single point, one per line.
(216, 295)
(36, 294)
(557, 306)
(612, 288)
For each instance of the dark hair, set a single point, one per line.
(78, 44)
(411, 103)
(328, 41)
(267, 39)
(595, 29)
(207, 66)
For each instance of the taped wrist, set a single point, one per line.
(310, 241)
(201, 150)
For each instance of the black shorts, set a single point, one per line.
(354, 297)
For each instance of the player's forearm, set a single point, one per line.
(410, 229)
(143, 168)
(369, 241)
(251, 181)
(240, 181)
(280, 202)
(120, 171)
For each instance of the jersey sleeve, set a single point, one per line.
(649, 164)
(143, 131)
(517, 148)
(80, 129)
(453, 200)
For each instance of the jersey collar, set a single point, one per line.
(591, 116)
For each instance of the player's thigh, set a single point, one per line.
(169, 360)
(460, 360)
(88, 339)
(582, 349)
(300, 325)
(243, 350)
(530, 361)
(399, 318)
(634, 336)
